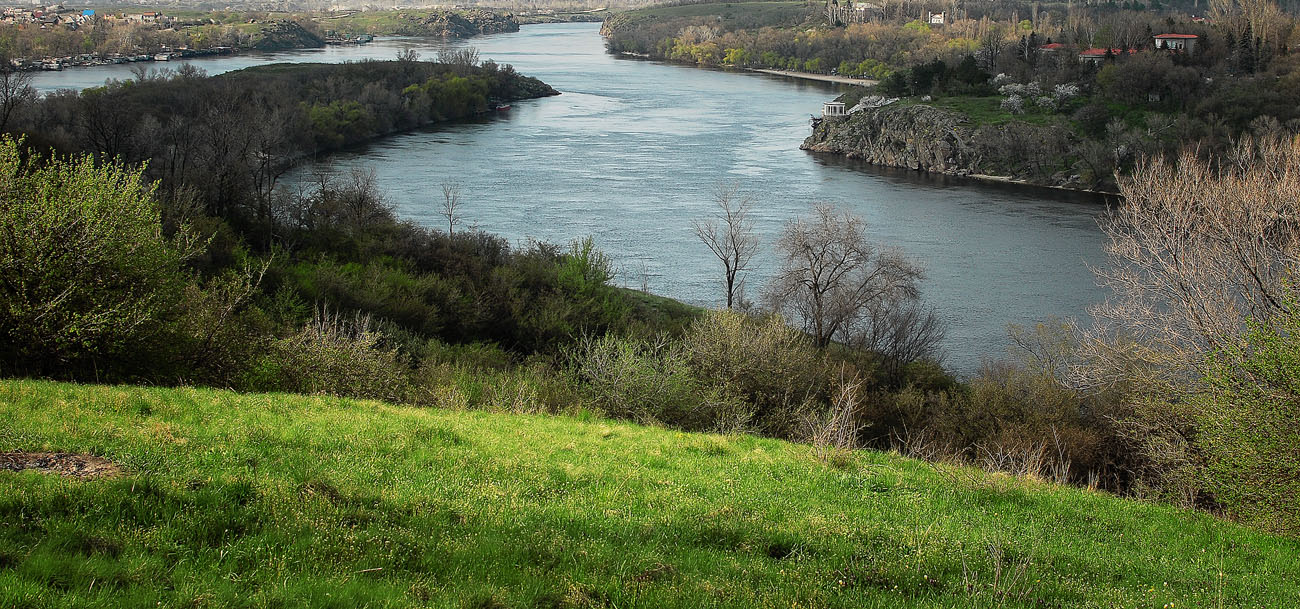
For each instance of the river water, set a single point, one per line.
(631, 150)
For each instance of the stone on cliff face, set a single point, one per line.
(916, 137)
(284, 35)
(457, 24)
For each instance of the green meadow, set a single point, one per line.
(273, 500)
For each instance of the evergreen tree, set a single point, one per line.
(1246, 51)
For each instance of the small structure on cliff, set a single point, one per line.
(833, 108)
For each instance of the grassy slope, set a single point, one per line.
(268, 500)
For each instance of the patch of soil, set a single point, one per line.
(65, 464)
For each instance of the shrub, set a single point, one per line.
(762, 361)
(1248, 427)
(86, 272)
(221, 332)
(1014, 104)
(333, 355)
(652, 382)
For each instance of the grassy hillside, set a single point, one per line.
(280, 500)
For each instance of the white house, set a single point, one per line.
(833, 108)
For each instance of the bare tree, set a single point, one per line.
(408, 55)
(451, 204)
(1195, 252)
(831, 274)
(730, 236)
(15, 89)
(464, 56)
(899, 333)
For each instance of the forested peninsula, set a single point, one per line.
(232, 135)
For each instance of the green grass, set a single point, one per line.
(375, 22)
(280, 500)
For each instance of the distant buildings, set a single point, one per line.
(1183, 43)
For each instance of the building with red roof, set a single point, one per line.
(1176, 42)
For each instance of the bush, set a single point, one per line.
(86, 272)
(533, 388)
(333, 355)
(764, 362)
(651, 382)
(1248, 427)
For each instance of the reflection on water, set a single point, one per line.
(629, 153)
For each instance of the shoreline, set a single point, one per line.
(843, 80)
(1019, 182)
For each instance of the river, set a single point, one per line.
(630, 151)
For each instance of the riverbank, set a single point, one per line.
(843, 80)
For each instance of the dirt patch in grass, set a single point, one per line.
(64, 464)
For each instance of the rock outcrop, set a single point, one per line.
(456, 24)
(917, 137)
(283, 35)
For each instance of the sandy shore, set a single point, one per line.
(844, 80)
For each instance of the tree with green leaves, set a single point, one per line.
(86, 273)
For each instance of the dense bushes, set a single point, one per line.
(1247, 426)
(332, 354)
(763, 361)
(651, 381)
(86, 274)
(93, 287)
(728, 372)
(938, 78)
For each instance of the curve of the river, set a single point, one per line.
(630, 151)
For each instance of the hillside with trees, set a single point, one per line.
(1049, 94)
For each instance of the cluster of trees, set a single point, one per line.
(102, 279)
(861, 49)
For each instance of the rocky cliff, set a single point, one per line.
(455, 24)
(936, 140)
(917, 137)
(283, 35)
